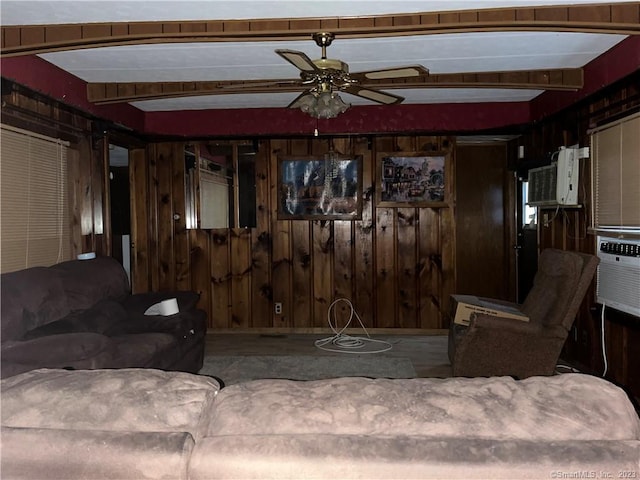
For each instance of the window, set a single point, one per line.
(34, 207)
(615, 150)
(529, 213)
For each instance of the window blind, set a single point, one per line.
(615, 151)
(34, 200)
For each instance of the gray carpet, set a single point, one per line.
(236, 369)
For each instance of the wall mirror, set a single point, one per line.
(220, 185)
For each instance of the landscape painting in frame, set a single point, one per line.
(326, 188)
(412, 179)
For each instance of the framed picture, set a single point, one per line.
(324, 187)
(412, 179)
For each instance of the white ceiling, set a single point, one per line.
(445, 53)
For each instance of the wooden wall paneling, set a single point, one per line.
(363, 234)
(429, 261)
(179, 222)
(241, 274)
(429, 143)
(153, 217)
(616, 349)
(75, 195)
(632, 341)
(103, 163)
(322, 248)
(85, 204)
(301, 275)
(97, 159)
(427, 248)
(140, 206)
(384, 247)
(342, 268)
(221, 299)
(588, 331)
(261, 241)
(386, 269)
(407, 220)
(407, 263)
(448, 261)
(281, 256)
(322, 275)
(302, 259)
(165, 154)
(448, 237)
(200, 269)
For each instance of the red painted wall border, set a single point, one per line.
(44, 77)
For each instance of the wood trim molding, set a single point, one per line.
(614, 18)
(559, 79)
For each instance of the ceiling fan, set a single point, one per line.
(325, 77)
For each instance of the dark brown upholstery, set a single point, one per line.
(80, 314)
(492, 346)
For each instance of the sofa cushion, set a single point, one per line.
(562, 408)
(55, 350)
(86, 282)
(30, 298)
(142, 400)
(104, 318)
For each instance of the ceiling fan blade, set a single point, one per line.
(298, 60)
(259, 84)
(375, 95)
(395, 72)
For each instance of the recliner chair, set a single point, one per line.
(494, 346)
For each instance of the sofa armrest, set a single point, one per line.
(181, 324)
(140, 302)
(516, 327)
(80, 454)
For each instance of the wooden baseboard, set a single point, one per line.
(326, 331)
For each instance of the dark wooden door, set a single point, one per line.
(484, 219)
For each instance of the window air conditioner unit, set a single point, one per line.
(618, 277)
(555, 184)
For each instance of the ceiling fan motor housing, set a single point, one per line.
(331, 64)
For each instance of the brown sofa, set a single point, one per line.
(80, 315)
(149, 424)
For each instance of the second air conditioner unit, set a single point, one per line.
(555, 184)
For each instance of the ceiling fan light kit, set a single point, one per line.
(325, 77)
(322, 105)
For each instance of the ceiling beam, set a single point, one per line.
(614, 18)
(557, 79)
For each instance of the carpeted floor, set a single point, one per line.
(235, 369)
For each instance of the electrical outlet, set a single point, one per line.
(277, 308)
